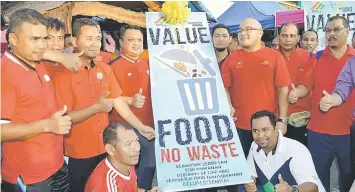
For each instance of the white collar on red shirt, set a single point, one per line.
(130, 60)
(16, 61)
(109, 165)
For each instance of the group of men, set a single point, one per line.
(100, 108)
(50, 98)
(310, 92)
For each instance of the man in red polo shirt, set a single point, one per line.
(116, 172)
(251, 75)
(33, 127)
(298, 66)
(132, 74)
(329, 133)
(90, 94)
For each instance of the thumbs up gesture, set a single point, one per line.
(138, 99)
(293, 95)
(326, 101)
(105, 104)
(282, 186)
(59, 123)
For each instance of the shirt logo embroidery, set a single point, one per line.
(99, 76)
(129, 74)
(265, 63)
(239, 64)
(46, 77)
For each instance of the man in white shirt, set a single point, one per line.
(277, 163)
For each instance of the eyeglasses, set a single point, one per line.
(247, 30)
(336, 29)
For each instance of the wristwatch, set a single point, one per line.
(295, 189)
(283, 120)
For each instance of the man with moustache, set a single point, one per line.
(221, 39)
(329, 133)
(132, 73)
(123, 148)
(309, 41)
(251, 75)
(90, 93)
(278, 163)
(298, 67)
(32, 125)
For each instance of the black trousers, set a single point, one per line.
(81, 169)
(58, 182)
(297, 133)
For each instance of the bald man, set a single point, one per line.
(250, 76)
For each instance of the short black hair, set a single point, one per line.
(218, 26)
(311, 30)
(55, 24)
(21, 16)
(110, 132)
(124, 28)
(289, 24)
(81, 22)
(345, 21)
(234, 35)
(264, 113)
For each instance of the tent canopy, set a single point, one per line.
(263, 11)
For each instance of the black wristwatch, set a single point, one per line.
(295, 189)
(283, 120)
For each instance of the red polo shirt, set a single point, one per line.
(298, 67)
(133, 75)
(337, 120)
(27, 95)
(252, 78)
(80, 90)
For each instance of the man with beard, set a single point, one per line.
(132, 73)
(298, 68)
(279, 163)
(116, 172)
(251, 75)
(329, 133)
(221, 39)
(32, 125)
(309, 41)
(90, 94)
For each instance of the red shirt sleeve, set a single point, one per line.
(8, 96)
(227, 72)
(114, 86)
(282, 76)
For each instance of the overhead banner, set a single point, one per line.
(197, 145)
(317, 14)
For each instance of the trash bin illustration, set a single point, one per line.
(199, 95)
(198, 90)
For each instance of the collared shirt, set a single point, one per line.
(132, 76)
(326, 71)
(252, 78)
(78, 91)
(287, 152)
(27, 95)
(105, 177)
(298, 68)
(346, 81)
